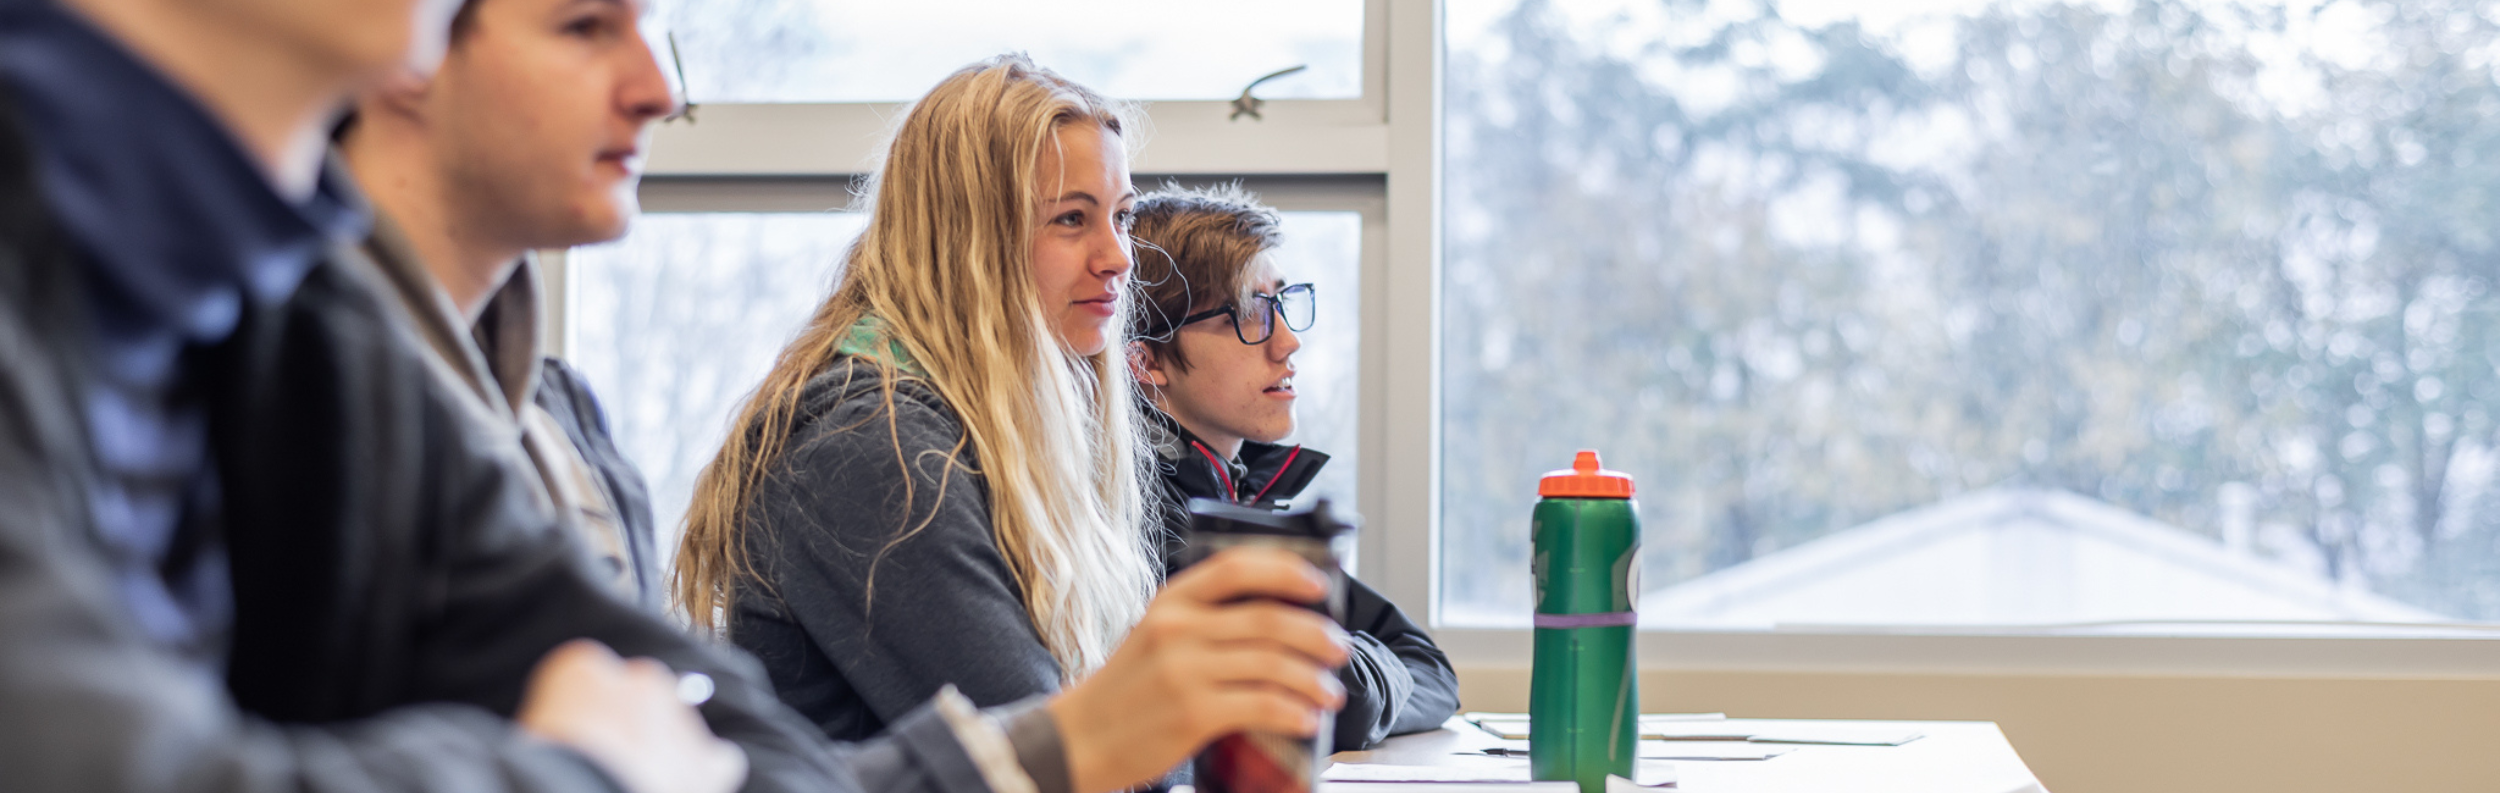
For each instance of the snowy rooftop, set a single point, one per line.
(2012, 558)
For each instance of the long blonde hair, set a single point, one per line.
(945, 265)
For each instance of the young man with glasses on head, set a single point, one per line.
(527, 137)
(1215, 348)
(248, 542)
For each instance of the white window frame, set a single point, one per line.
(1295, 137)
(1381, 155)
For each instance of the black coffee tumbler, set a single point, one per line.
(1261, 762)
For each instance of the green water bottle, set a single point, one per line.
(1583, 706)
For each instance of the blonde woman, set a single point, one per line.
(936, 484)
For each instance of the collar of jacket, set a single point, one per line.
(497, 353)
(870, 339)
(177, 227)
(1264, 475)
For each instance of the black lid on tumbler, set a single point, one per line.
(1315, 522)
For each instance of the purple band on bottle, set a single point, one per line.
(1616, 619)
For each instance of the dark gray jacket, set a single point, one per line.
(567, 398)
(532, 404)
(1396, 679)
(944, 609)
(393, 589)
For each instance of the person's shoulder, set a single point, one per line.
(860, 435)
(347, 294)
(853, 387)
(855, 406)
(565, 395)
(38, 284)
(40, 318)
(558, 380)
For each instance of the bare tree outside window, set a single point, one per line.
(677, 323)
(2226, 267)
(1325, 249)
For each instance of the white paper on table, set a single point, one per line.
(1683, 750)
(1485, 715)
(1835, 735)
(1515, 725)
(1710, 750)
(1517, 730)
(1694, 731)
(1652, 773)
(1326, 786)
(1383, 772)
(1656, 718)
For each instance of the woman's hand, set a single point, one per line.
(1205, 663)
(626, 717)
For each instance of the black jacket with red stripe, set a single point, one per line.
(1397, 681)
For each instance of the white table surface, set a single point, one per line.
(1954, 757)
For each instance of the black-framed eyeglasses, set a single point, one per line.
(1296, 304)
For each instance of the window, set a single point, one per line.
(677, 323)
(854, 51)
(1325, 249)
(2142, 315)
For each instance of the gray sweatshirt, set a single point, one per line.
(832, 513)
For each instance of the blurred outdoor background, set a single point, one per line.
(2140, 310)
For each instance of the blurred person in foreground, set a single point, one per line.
(1213, 352)
(249, 542)
(527, 137)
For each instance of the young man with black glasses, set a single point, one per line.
(1215, 348)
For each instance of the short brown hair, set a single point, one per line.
(1194, 248)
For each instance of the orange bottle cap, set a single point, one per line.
(1585, 480)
